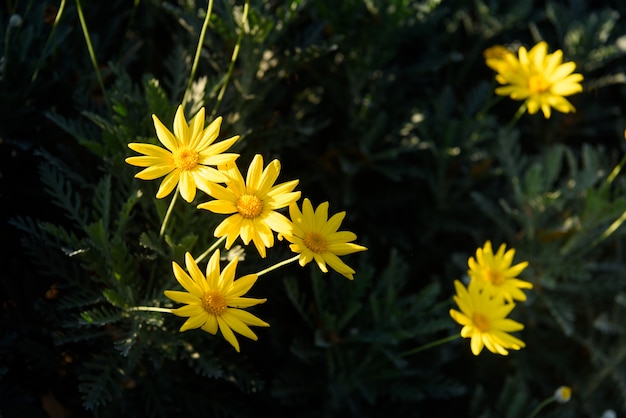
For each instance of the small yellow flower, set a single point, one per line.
(563, 394)
(484, 320)
(315, 237)
(493, 273)
(252, 204)
(215, 300)
(542, 80)
(499, 58)
(189, 153)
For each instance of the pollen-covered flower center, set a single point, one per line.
(481, 322)
(315, 242)
(249, 206)
(214, 302)
(185, 159)
(538, 84)
(494, 277)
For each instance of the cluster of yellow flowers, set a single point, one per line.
(542, 81)
(485, 303)
(192, 160)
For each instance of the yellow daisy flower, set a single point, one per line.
(484, 320)
(315, 237)
(215, 300)
(189, 153)
(542, 80)
(252, 204)
(494, 274)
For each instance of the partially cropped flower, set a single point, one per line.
(485, 321)
(189, 151)
(252, 204)
(494, 273)
(215, 300)
(563, 394)
(542, 80)
(499, 58)
(315, 237)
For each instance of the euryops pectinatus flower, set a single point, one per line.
(252, 204)
(317, 238)
(494, 274)
(542, 80)
(188, 153)
(484, 320)
(215, 300)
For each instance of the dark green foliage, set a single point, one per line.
(386, 110)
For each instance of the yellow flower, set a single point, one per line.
(493, 273)
(539, 78)
(315, 237)
(484, 320)
(215, 300)
(499, 58)
(189, 153)
(252, 204)
(563, 394)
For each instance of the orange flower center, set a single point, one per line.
(185, 159)
(538, 84)
(481, 322)
(214, 302)
(315, 242)
(249, 206)
(494, 277)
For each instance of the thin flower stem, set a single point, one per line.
(233, 58)
(277, 265)
(150, 309)
(210, 249)
(196, 58)
(430, 345)
(516, 117)
(52, 31)
(542, 405)
(168, 213)
(92, 54)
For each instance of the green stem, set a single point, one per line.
(541, 406)
(92, 54)
(150, 309)
(196, 58)
(516, 117)
(233, 58)
(52, 32)
(210, 249)
(277, 265)
(430, 345)
(169, 212)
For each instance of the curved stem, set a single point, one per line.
(196, 58)
(210, 249)
(52, 31)
(92, 54)
(150, 309)
(541, 406)
(277, 265)
(169, 212)
(430, 344)
(233, 58)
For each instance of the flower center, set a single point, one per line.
(538, 84)
(185, 159)
(315, 242)
(494, 277)
(214, 302)
(481, 322)
(249, 206)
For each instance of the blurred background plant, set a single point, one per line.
(383, 108)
